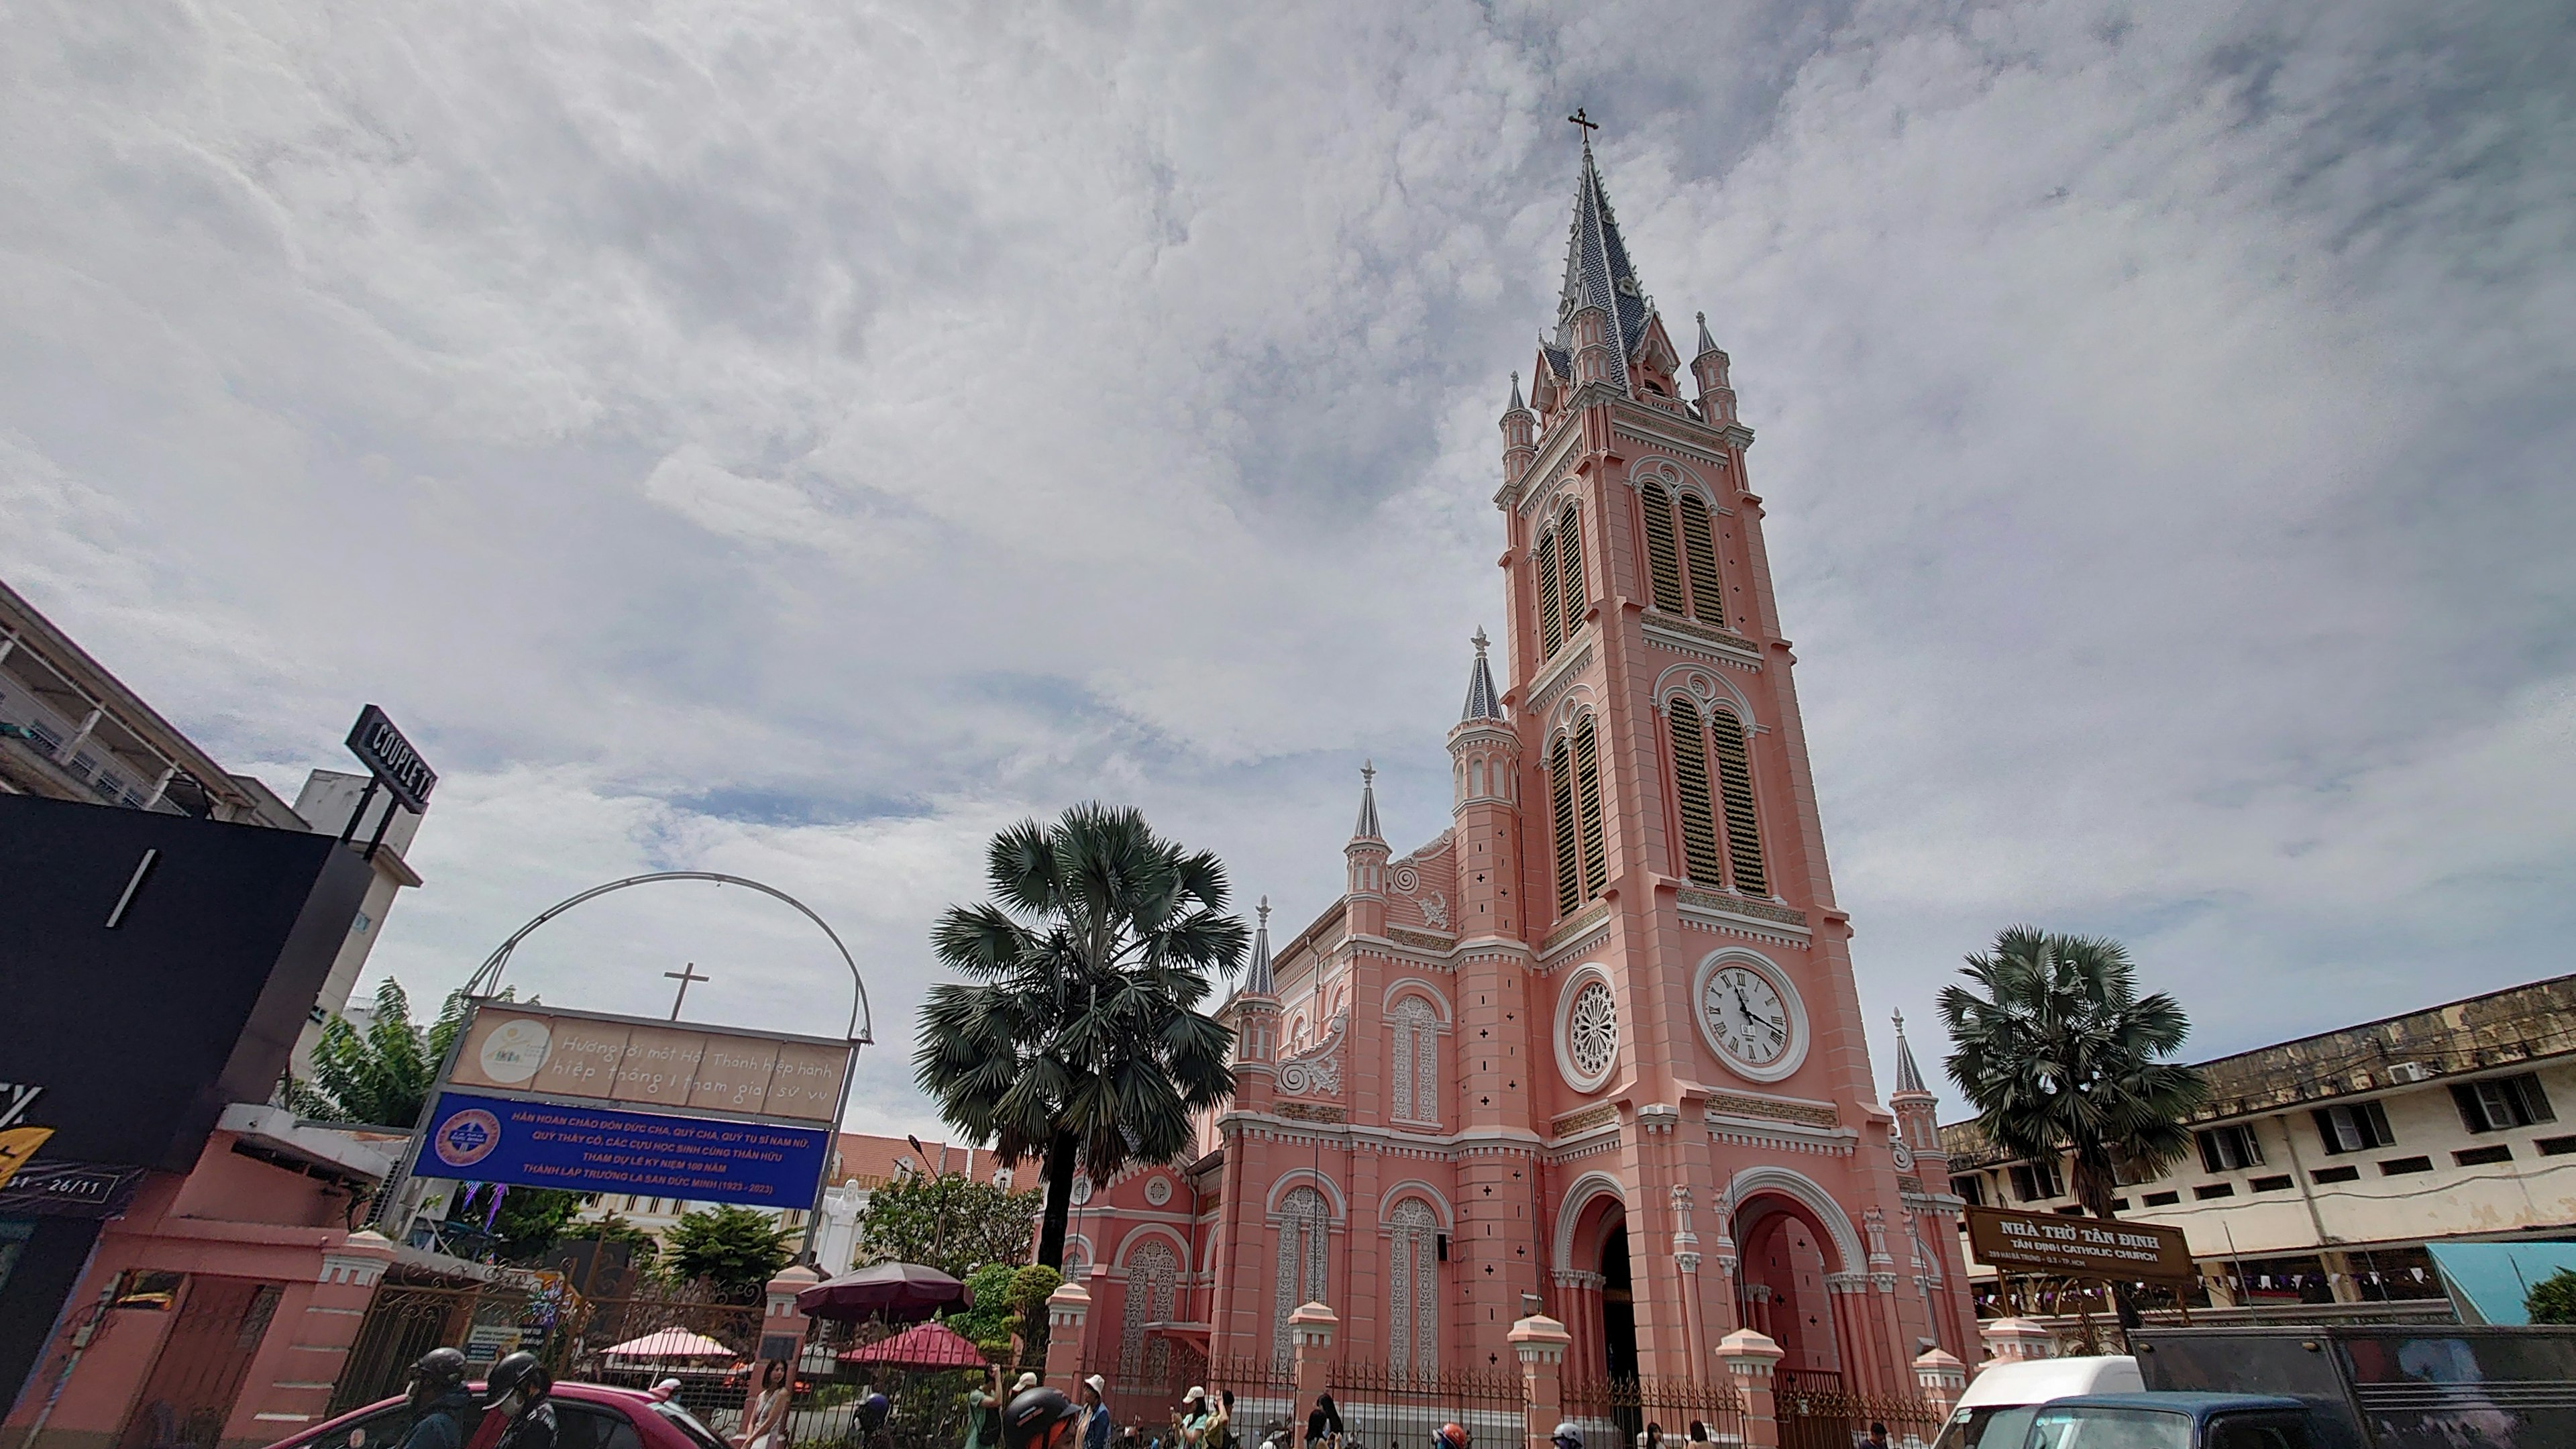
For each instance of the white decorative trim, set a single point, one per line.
(1769, 970)
(1570, 1208)
(1416, 1187)
(1587, 974)
(1439, 1003)
(1786, 1182)
(1317, 1071)
(1307, 1176)
(1705, 687)
(1163, 1233)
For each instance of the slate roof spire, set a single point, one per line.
(1598, 274)
(1367, 829)
(1483, 701)
(1256, 979)
(1909, 1077)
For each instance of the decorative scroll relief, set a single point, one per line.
(1317, 1071)
(1407, 879)
(1805, 1114)
(1543, 693)
(1666, 632)
(1726, 903)
(1419, 940)
(1576, 925)
(1435, 911)
(1309, 1112)
(1584, 1121)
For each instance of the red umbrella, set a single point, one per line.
(925, 1345)
(902, 1292)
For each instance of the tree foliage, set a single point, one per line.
(526, 1220)
(1007, 1299)
(2059, 1053)
(733, 1250)
(1077, 1037)
(381, 1077)
(946, 1221)
(2553, 1299)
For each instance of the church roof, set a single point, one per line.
(1909, 1077)
(1483, 701)
(1256, 980)
(1367, 828)
(1599, 274)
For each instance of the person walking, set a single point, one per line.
(1324, 1424)
(1096, 1428)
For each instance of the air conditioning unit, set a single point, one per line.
(2409, 1073)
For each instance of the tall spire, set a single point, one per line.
(1707, 344)
(1367, 829)
(1598, 274)
(1909, 1077)
(1256, 980)
(1483, 701)
(1517, 405)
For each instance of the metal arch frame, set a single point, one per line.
(487, 977)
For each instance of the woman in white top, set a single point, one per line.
(769, 1411)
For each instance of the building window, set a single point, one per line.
(2398, 1166)
(1690, 788)
(2481, 1156)
(2555, 1146)
(1152, 1272)
(1551, 621)
(2272, 1184)
(2357, 1127)
(2037, 1181)
(1560, 789)
(1416, 1076)
(1304, 1228)
(2162, 1199)
(1735, 783)
(1569, 566)
(2335, 1174)
(1587, 782)
(1971, 1190)
(2206, 1191)
(1413, 1289)
(2502, 1103)
(1699, 547)
(2229, 1149)
(1663, 558)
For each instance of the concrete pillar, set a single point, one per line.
(293, 1388)
(1539, 1342)
(1749, 1358)
(1068, 1308)
(1941, 1379)
(2014, 1340)
(1310, 1339)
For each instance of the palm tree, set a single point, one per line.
(2061, 1054)
(1078, 1039)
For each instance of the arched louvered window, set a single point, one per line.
(1304, 1226)
(1690, 787)
(1587, 785)
(1569, 565)
(1663, 561)
(1413, 1288)
(1560, 788)
(1735, 783)
(1551, 623)
(1414, 1082)
(1152, 1273)
(1699, 546)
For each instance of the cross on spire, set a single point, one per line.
(684, 976)
(1589, 125)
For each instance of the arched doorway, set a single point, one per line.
(1781, 1286)
(1618, 1306)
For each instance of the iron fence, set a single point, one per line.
(1816, 1412)
(1661, 1413)
(1393, 1408)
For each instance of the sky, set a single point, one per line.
(796, 438)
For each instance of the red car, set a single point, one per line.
(587, 1416)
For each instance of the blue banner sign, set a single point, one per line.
(610, 1149)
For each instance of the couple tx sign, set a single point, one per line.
(592, 1102)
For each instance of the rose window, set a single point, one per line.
(1592, 1032)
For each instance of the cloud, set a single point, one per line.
(805, 437)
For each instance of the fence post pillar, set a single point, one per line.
(1068, 1308)
(1539, 1342)
(1310, 1336)
(1942, 1379)
(1749, 1358)
(2015, 1340)
(782, 1330)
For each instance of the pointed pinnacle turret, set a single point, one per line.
(1483, 700)
(1367, 829)
(1909, 1077)
(1256, 979)
(1598, 274)
(1517, 406)
(1707, 344)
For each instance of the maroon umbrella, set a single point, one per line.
(898, 1292)
(924, 1345)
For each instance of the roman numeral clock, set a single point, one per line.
(1750, 1015)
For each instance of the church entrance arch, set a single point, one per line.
(1783, 1288)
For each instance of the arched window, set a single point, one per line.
(1587, 785)
(1569, 565)
(1560, 786)
(1551, 623)
(1690, 787)
(1663, 561)
(1153, 1272)
(1708, 592)
(1305, 1234)
(1413, 1288)
(1415, 1076)
(1735, 783)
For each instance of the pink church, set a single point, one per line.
(1595, 1049)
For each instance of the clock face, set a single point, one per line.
(1746, 1018)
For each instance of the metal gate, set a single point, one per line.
(1384, 1408)
(1816, 1412)
(203, 1359)
(1625, 1411)
(406, 1320)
